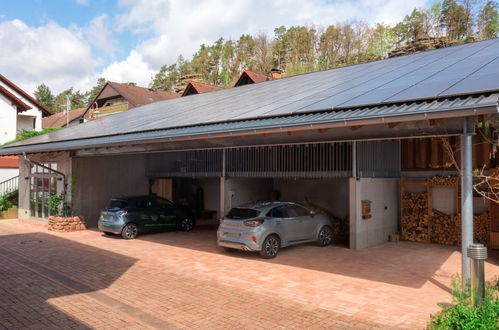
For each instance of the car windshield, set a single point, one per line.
(242, 213)
(117, 204)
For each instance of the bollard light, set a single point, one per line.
(477, 253)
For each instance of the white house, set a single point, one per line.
(18, 111)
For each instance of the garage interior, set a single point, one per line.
(327, 177)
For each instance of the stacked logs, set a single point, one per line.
(440, 228)
(415, 218)
(481, 226)
(340, 227)
(444, 180)
(66, 224)
(445, 229)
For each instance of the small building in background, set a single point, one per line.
(75, 117)
(116, 97)
(18, 111)
(195, 87)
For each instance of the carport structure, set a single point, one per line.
(331, 136)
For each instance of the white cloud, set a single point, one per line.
(132, 69)
(99, 34)
(180, 26)
(47, 54)
(160, 30)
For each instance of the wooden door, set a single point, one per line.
(163, 188)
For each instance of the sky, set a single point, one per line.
(71, 43)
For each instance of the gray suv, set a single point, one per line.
(267, 226)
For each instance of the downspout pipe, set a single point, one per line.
(65, 182)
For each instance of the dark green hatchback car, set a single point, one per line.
(131, 216)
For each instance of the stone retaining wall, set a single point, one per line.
(66, 224)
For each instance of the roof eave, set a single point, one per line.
(374, 120)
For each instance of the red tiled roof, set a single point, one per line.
(45, 112)
(257, 77)
(59, 119)
(9, 161)
(21, 106)
(200, 88)
(253, 76)
(138, 96)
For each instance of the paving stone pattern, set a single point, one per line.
(176, 280)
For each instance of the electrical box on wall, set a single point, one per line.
(366, 209)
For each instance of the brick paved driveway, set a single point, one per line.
(183, 280)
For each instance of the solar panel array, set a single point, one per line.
(466, 69)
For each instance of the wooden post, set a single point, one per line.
(434, 152)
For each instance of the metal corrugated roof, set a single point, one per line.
(345, 116)
(465, 69)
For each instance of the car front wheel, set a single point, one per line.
(325, 236)
(130, 231)
(270, 247)
(187, 224)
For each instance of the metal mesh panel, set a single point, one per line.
(378, 159)
(197, 163)
(325, 160)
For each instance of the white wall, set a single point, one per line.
(384, 196)
(8, 115)
(244, 190)
(8, 173)
(25, 123)
(329, 194)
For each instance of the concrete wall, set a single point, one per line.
(244, 190)
(329, 194)
(211, 192)
(384, 197)
(98, 179)
(8, 173)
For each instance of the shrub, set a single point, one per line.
(8, 200)
(463, 315)
(58, 206)
(23, 135)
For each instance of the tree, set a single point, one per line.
(456, 20)
(77, 99)
(488, 21)
(44, 96)
(92, 94)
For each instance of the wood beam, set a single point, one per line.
(354, 128)
(392, 125)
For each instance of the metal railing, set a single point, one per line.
(9, 185)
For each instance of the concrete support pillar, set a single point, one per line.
(466, 198)
(222, 197)
(24, 189)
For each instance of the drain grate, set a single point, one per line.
(33, 241)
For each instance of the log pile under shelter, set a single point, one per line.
(420, 222)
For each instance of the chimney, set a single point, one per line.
(276, 73)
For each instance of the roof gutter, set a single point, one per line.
(444, 114)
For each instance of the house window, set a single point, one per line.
(34, 123)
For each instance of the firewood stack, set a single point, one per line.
(481, 226)
(419, 225)
(340, 227)
(444, 180)
(66, 224)
(415, 217)
(445, 229)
